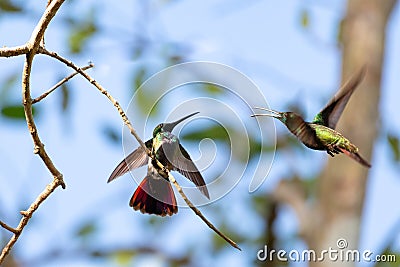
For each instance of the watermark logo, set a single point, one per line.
(340, 253)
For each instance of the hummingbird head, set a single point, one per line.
(168, 127)
(288, 118)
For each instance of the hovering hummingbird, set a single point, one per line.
(320, 134)
(154, 194)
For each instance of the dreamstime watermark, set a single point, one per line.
(338, 254)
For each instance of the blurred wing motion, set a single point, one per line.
(136, 159)
(185, 166)
(331, 113)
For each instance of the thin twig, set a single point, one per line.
(198, 213)
(27, 215)
(102, 90)
(30, 50)
(133, 132)
(14, 51)
(7, 227)
(61, 82)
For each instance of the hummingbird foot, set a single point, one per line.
(332, 150)
(330, 153)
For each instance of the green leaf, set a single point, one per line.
(213, 89)
(395, 146)
(140, 77)
(15, 112)
(65, 97)
(86, 230)
(124, 257)
(305, 19)
(8, 6)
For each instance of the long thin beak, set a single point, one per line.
(273, 113)
(170, 126)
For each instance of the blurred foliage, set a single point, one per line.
(9, 108)
(339, 36)
(389, 258)
(15, 112)
(212, 89)
(65, 97)
(7, 6)
(124, 257)
(113, 135)
(215, 132)
(9, 84)
(220, 244)
(139, 78)
(81, 32)
(304, 18)
(87, 229)
(394, 146)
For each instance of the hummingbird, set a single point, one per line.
(154, 194)
(320, 134)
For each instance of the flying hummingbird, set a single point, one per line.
(320, 134)
(154, 194)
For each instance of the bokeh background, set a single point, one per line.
(294, 51)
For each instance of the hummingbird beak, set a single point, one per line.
(273, 113)
(170, 126)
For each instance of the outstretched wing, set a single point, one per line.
(136, 159)
(331, 113)
(185, 166)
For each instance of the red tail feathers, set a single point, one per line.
(154, 196)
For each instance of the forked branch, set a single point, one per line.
(133, 132)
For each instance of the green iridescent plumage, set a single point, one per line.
(153, 195)
(320, 134)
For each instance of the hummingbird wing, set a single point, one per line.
(136, 159)
(331, 113)
(185, 166)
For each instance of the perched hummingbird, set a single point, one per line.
(320, 134)
(154, 194)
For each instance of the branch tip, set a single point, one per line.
(9, 228)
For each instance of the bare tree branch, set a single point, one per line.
(66, 79)
(26, 217)
(30, 50)
(14, 51)
(57, 253)
(102, 90)
(198, 213)
(166, 173)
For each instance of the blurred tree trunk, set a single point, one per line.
(342, 184)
